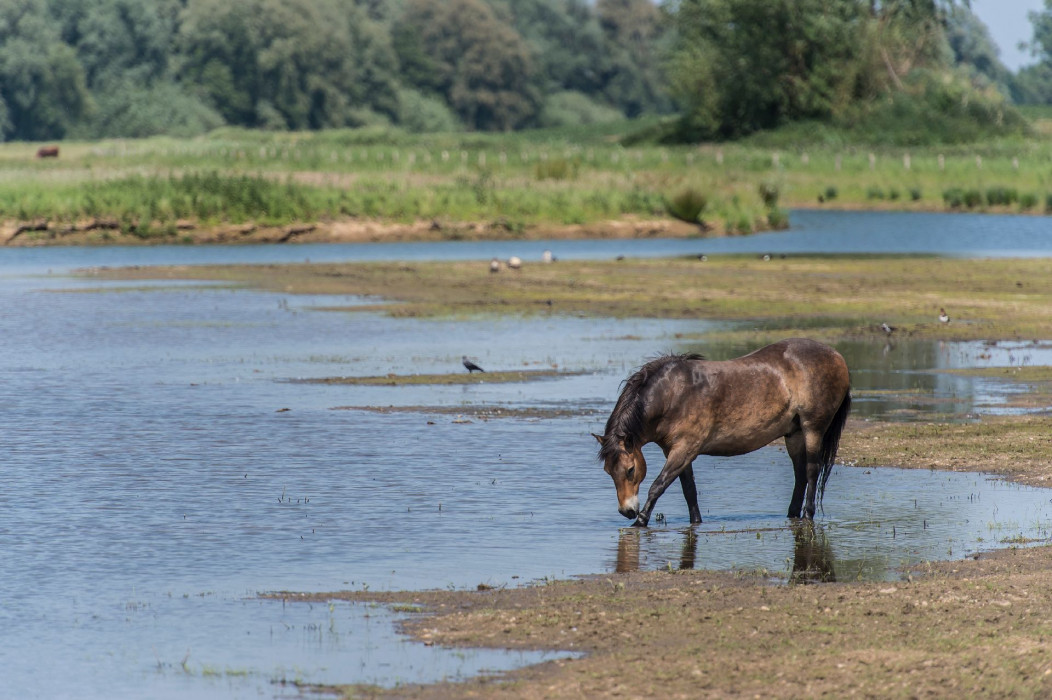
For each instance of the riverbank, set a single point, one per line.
(973, 628)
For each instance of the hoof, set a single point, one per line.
(639, 523)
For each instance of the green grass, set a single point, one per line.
(558, 177)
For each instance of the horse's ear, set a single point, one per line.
(598, 438)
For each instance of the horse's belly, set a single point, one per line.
(728, 442)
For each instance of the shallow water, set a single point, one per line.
(962, 235)
(152, 487)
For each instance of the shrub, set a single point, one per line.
(1001, 196)
(893, 194)
(1028, 201)
(687, 205)
(915, 194)
(953, 197)
(875, 193)
(777, 219)
(769, 194)
(973, 198)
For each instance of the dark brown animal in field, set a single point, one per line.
(47, 152)
(795, 389)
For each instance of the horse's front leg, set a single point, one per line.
(675, 464)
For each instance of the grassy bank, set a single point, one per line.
(826, 297)
(169, 189)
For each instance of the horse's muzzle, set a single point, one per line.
(629, 513)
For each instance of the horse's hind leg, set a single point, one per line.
(690, 492)
(796, 446)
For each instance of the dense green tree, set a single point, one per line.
(1033, 84)
(482, 67)
(298, 64)
(42, 86)
(744, 65)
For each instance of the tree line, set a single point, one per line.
(101, 68)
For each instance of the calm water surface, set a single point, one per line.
(153, 484)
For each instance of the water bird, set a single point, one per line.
(494, 265)
(515, 262)
(547, 256)
(703, 257)
(470, 366)
(886, 328)
(943, 316)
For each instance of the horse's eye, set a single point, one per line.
(631, 473)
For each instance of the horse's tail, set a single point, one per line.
(831, 441)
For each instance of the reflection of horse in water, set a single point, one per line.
(812, 556)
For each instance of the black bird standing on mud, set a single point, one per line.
(471, 366)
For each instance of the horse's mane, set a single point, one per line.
(628, 418)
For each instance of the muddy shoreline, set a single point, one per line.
(976, 626)
(102, 232)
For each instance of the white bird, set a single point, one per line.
(943, 316)
(470, 366)
(886, 328)
(494, 265)
(546, 256)
(515, 262)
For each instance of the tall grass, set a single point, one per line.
(545, 176)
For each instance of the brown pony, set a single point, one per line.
(797, 389)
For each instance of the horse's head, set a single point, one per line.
(627, 467)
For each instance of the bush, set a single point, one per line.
(569, 108)
(1028, 201)
(875, 193)
(419, 113)
(973, 198)
(953, 197)
(893, 194)
(915, 194)
(1048, 203)
(687, 205)
(1001, 196)
(769, 194)
(778, 219)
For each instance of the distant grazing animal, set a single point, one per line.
(797, 389)
(47, 152)
(943, 316)
(470, 366)
(515, 262)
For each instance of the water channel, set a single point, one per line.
(164, 462)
